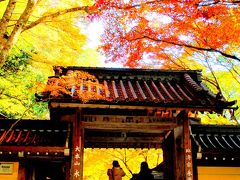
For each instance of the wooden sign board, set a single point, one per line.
(6, 168)
(129, 119)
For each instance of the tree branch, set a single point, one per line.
(56, 14)
(16, 31)
(17, 121)
(137, 5)
(14, 97)
(191, 47)
(214, 76)
(214, 2)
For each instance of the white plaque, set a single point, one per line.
(6, 168)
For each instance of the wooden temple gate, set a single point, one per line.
(141, 109)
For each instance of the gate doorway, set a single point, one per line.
(39, 169)
(50, 170)
(129, 159)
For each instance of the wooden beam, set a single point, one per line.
(124, 139)
(133, 107)
(123, 145)
(32, 150)
(129, 127)
(51, 149)
(159, 117)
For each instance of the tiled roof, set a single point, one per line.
(217, 142)
(33, 136)
(148, 87)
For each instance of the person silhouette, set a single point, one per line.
(116, 173)
(145, 172)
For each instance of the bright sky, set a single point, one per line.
(95, 29)
(93, 32)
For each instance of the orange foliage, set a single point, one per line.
(134, 29)
(77, 84)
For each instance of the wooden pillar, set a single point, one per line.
(67, 170)
(77, 148)
(183, 150)
(188, 164)
(168, 158)
(178, 153)
(194, 161)
(22, 175)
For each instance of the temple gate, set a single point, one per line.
(136, 108)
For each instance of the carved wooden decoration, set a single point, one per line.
(77, 149)
(187, 149)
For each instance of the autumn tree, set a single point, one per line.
(74, 85)
(138, 30)
(51, 28)
(175, 34)
(34, 35)
(170, 34)
(129, 159)
(17, 87)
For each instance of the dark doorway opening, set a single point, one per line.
(43, 170)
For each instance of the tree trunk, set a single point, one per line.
(4, 22)
(6, 44)
(18, 28)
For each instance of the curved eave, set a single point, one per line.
(58, 103)
(216, 144)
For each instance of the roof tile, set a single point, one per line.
(146, 87)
